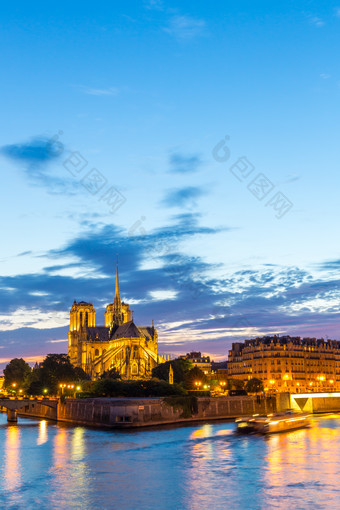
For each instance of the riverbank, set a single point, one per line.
(142, 412)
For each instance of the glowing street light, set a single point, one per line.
(62, 386)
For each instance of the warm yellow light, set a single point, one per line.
(286, 377)
(272, 382)
(60, 385)
(297, 384)
(14, 384)
(310, 384)
(78, 388)
(45, 390)
(322, 377)
(331, 381)
(20, 391)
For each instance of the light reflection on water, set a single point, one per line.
(186, 468)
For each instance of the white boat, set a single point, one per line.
(279, 422)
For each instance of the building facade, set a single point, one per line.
(119, 344)
(199, 361)
(287, 363)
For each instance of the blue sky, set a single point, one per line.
(197, 140)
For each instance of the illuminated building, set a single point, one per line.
(199, 361)
(119, 344)
(287, 363)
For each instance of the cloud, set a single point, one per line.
(185, 27)
(36, 157)
(36, 151)
(183, 197)
(110, 91)
(184, 164)
(153, 5)
(316, 21)
(194, 304)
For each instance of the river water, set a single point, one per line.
(46, 465)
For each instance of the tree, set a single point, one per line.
(254, 385)
(152, 388)
(80, 374)
(235, 384)
(17, 372)
(54, 370)
(179, 366)
(110, 374)
(194, 376)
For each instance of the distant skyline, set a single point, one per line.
(198, 141)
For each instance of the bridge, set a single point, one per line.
(315, 402)
(13, 405)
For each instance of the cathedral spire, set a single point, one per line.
(117, 318)
(117, 295)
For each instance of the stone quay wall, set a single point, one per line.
(38, 410)
(141, 412)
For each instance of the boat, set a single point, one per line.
(268, 424)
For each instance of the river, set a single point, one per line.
(203, 466)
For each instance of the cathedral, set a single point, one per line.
(120, 344)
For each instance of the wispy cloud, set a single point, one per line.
(153, 5)
(316, 21)
(189, 298)
(180, 163)
(38, 150)
(110, 91)
(35, 157)
(185, 27)
(183, 197)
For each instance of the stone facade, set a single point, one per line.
(119, 344)
(287, 363)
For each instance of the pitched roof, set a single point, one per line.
(147, 331)
(101, 331)
(127, 330)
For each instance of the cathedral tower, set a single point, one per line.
(117, 313)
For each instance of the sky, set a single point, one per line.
(196, 140)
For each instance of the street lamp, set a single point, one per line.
(62, 386)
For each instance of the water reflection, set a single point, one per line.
(303, 461)
(42, 438)
(52, 466)
(12, 468)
